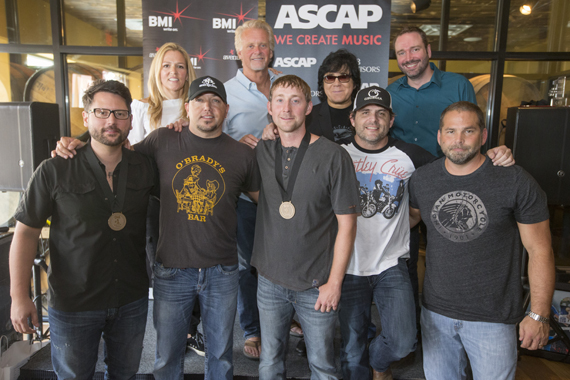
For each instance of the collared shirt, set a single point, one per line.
(248, 107)
(418, 111)
(92, 267)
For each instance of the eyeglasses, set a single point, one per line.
(342, 78)
(103, 113)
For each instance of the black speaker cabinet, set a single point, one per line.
(30, 131)
(540, 140)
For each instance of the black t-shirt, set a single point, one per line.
(473, 254)
(200, 182)
(341, 126)
(92, 267)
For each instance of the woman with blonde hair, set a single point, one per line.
(169, 78)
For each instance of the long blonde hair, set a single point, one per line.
(155, 89)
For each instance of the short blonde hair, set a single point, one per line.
(291, 81)
(155, 89)
(254, 24)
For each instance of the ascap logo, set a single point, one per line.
(295, 62)
(314, 16)
(208, 82)
(167, 22)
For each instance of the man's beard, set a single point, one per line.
(460, 158)
(99, 135)
(422, 66)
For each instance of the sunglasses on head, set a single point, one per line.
(342, 78)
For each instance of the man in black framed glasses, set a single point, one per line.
(97, 280)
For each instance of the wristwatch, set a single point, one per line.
(537, 317)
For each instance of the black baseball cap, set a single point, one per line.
(373, 95)
(207, 84)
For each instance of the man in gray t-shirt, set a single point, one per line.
(476, 216)
(304, 235)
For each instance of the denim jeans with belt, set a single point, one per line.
(394, 298)
(75, 338)
(175, 291)
(276, 308)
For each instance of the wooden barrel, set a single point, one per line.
(515, 90)
(19, 75)
(41, 88)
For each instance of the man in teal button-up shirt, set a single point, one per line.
(423, 93)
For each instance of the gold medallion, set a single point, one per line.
(287, 210)
(117, 221)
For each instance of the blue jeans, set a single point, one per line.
(447, 342)
(75, 338)
(247, 293)
(394, 298)
(276, 308)
(175, 291)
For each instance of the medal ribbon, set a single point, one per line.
(116, 202)
(287, 194)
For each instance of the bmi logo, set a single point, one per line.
(231, 23)
(168, 21)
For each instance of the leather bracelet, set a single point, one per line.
(537, 317)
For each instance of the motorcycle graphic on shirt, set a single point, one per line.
(381, 199)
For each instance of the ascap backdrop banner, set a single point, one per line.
(206, 29)
(306, 33)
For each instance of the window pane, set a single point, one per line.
(402, 16)
(91, 23)
(83, 69)
(545, 28)
(134, 22)
(471, 23)
(23, 78)
(95, 23)
(25, 22)
(529, 80)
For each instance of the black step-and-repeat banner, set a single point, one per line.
(304, 34)
(206, 29)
